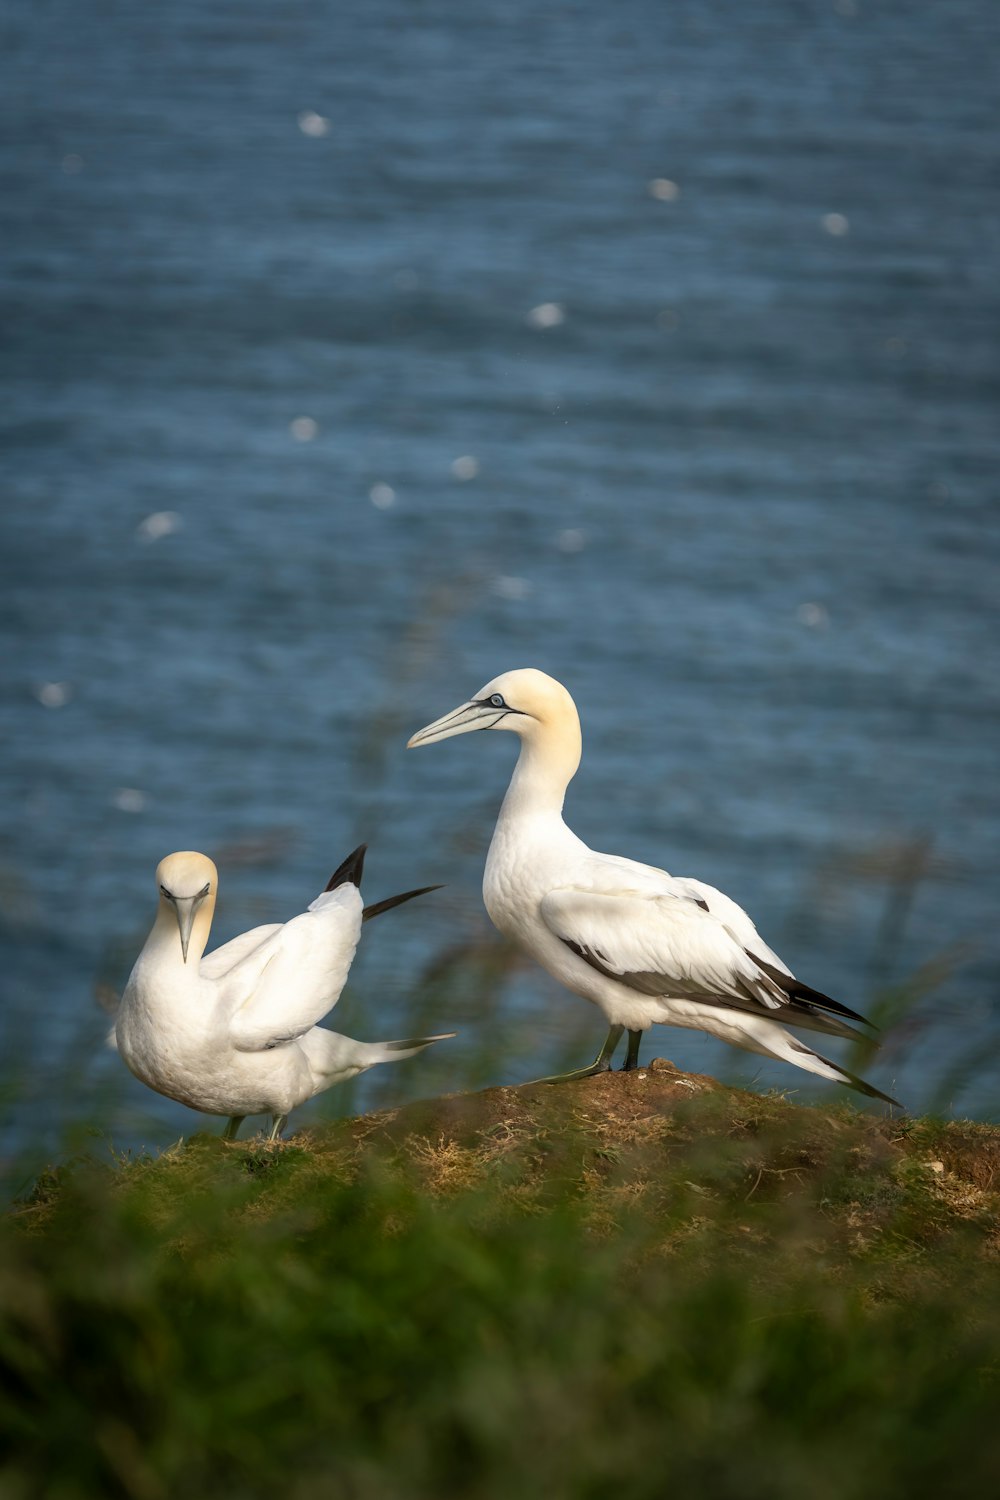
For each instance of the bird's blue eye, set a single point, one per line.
(497, 701)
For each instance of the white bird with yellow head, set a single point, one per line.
(642, 945)
(234, 1032)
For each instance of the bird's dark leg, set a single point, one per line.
(632, 1056)
(601, 1063)
(232, 1127)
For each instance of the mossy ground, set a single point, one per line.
(616, 1287)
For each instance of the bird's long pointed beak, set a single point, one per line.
(185, 908)
(461, 720)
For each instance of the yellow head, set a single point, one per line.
(525, 701)
(188, 883)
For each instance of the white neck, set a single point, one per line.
(550, 755)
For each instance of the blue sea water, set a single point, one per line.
(352, 355)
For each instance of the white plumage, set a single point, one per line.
(234, 1032)
(643, 945)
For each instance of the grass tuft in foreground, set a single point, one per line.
(623, 1287)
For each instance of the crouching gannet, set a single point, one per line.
(643, 945)
(234, 1033)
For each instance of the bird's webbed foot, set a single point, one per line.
(601, 1063)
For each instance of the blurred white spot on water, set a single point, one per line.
(465, 467)
(666, 319)
(303, 429)
(129, 799)
(571, 540)
(53, 694)
(72, 164)
(939, 492)
(511, 588)
(896, 347)
(663, 188)
(846, 7)
(547, 315)
(405, 280)
(310, 123)
(159, 524)
(835, 224)
(813, 615)
(382, 496)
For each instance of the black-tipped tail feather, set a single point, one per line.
(869, 1089)
(851, 1079)
(418, 1041)
(383, 1052)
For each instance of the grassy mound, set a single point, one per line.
(619, 1287)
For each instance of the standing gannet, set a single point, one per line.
(643, 945)
(235, 1033)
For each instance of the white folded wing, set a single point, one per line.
(221, 960)
(279, 986)
(674, 938)
(662, 944)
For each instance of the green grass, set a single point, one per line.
(625, 1287)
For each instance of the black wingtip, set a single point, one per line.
(378, 907)
(796, 990)
(836, 1007)
(349, 871)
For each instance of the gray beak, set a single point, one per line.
(460, 721)
(185, 907)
